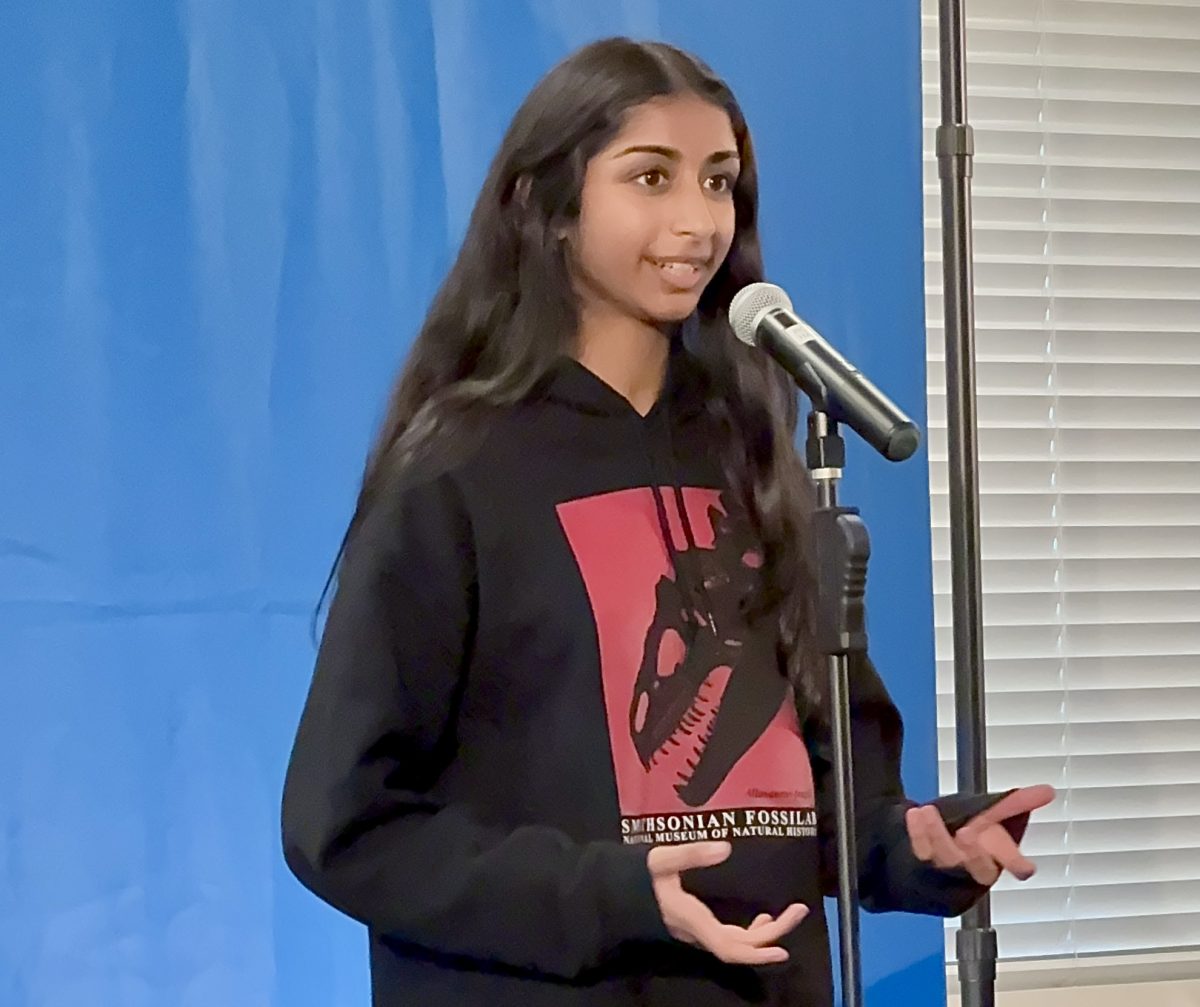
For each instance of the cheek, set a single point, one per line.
(614, 240)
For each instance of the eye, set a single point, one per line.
(727, 183)
(658, 172)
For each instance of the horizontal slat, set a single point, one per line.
(1027, 408)
(1112, 348)
(1034, 241)
(1063, 378)
(1122, 933)
(1049, 608)
(1109, 510)
(1114, 739)
(1146, 544)
(1079, 476)
(1022, 45)
(1080, 180)
(1021, 308)
(1103, 804)
(1096, 902)
(1066, 116)
(1145, 20)
(1093, 869)
(1078, 92)
(1048, 261)
(1168, 87)
(1079, 575)
(1042, 147)
(1102, 837)
(1084, 770)
(1139, 203)
(1024, 444)
(1007, 70)
(1111, 936)
(1172, 833)
(1065, 696)
(1104, 934)
(1130, 641)
(1027, 674)
(1179, 281)
(1085, 215)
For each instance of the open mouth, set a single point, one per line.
(680, 274)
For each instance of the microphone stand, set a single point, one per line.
(976, 940)
(842, 548)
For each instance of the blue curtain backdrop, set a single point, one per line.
(221, 224)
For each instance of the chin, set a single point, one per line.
(676, 312)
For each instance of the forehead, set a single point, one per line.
(685, 122)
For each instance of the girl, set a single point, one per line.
(569, 656)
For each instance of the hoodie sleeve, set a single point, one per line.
(361, 826)
(890, 876)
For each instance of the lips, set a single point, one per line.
(679, 272)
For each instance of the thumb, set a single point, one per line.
(673, 859)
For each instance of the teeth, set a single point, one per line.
(682, 270)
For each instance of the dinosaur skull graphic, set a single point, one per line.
(703, 693)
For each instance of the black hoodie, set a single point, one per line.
(533, 669)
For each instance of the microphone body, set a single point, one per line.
(764, 318)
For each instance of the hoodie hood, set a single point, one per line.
(614, 419)
(572, 385)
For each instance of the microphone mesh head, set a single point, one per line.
(749, 303)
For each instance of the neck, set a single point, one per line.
(626, 354)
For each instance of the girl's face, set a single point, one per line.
(656, 215)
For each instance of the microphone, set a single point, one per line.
(762, 315)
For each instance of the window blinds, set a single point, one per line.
(1086, 197)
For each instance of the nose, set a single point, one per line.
(691, 213)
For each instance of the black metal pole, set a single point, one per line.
(847, 841)
(849, 943)
(842, 550)
(976, 940)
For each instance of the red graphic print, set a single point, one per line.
(700, 719)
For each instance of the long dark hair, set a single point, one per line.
(505, 314)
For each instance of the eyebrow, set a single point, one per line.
(671, 154)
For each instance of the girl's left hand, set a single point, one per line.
(983, 846)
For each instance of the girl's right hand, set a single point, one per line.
(690, 920)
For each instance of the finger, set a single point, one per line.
(732, 944)
(784, 923)
(978, 862)
(746, 954)
(759, 920)
(983, 870)
(733, 949)
(946, 852)
(918, 834)
(687, 856)
(1000, 847)
(1019, 802)
(923, 823)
